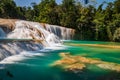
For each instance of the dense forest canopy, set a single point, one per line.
(90, 23)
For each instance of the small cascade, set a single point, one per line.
(62, 32)
(15, 47)
(33, 30)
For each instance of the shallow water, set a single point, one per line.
(38, 66)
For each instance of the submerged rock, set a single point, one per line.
(75, 66)
(9, 74)
(76, 62)
(110, 66)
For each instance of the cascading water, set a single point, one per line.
(12, 48)
(62, 32)
(33, 30)
(37, 36)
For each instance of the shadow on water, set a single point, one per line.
(85, 74)
(8, 74)
(110, 76)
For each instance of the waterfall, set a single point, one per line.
(62, 32)
(33, 30)
(16, 32)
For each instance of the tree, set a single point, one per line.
(47, 12)
(68, 14)
(117, 6)
(8, 9)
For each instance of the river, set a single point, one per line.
(36, 65)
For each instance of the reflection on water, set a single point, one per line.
(36, 67)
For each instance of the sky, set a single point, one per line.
(28, 2)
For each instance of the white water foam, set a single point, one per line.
(22, 56)
(26, 55)
(33, 30)
(61, 32)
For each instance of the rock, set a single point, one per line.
(76, 66)
(73, 63)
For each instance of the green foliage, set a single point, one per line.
(46, 12)
(117, 35)
(8, 9)
(68, 15)
(117, 6)
(90, 23)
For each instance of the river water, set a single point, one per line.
(37, 65)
